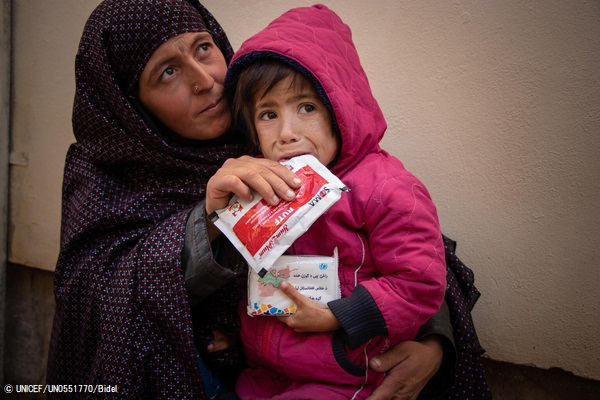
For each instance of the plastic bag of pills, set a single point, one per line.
(316, 277)
(262, 232)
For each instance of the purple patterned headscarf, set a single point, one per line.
(122, 316)
(117, 42)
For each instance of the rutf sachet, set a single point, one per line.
(261, 232)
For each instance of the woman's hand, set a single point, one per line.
(220, 341)
(310, 315)
(409, 367)
(268, 178)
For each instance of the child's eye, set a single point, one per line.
(267, 115)
(307, 108)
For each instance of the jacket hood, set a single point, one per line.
(319, 44)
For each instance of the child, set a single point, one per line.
(298, 88)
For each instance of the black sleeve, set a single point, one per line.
(439, 324)
(207, 266)
(359, 317)
(215, 281)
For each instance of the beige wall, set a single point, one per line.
(495, 105)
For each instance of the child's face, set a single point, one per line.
(291, 120)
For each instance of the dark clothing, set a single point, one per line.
(122, 311)
(461, 296)
(461, 375)
(444, 378)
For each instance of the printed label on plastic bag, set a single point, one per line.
(316, 277)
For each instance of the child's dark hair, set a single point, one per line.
(260, 77)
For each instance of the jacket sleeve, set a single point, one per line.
(214, 279)
(207, 266)
(444, 378)
(359, 317)
(405, 242)
(402, 239)
(357, 328)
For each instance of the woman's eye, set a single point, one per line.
(267, 115)
(169, 71)
(307, 108)
(203, 49)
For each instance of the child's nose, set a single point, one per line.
(289, 132)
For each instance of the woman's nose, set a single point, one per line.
(200, 79)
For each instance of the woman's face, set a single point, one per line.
(182, 85)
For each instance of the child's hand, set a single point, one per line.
(269, 178)
(220, 341)
(310, 316)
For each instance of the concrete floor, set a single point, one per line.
(519, 382)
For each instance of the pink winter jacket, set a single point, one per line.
(386, 229)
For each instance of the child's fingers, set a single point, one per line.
(281, 181)
(293, 294)
(271, 180)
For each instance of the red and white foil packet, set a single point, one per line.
(262, 232)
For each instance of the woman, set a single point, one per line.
(137, 258)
